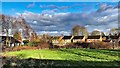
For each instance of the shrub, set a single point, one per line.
(72, 45)
(25, 41)
(34, 42)
(81, 45)
(43, 45)
(92, 45)
(56, 46)
(100, 45)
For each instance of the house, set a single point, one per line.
(11, 41)
(114, 37)
(67, 39)
(106, 39)
(78, 39)
(109, 38)
(63, 40)
(56, 40)
(115, 40)
(94, 38)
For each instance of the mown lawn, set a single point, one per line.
(77, 57)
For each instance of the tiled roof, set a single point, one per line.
(9, 37)
(67, 37)
(78, 37)
(93, 37)
(114, 37)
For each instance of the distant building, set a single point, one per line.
(11, 41)
(63, 40)
(67, 39)
(94, 38)
(56, 40)
(78, 39)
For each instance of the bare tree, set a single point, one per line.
(114, 31)
(15, 25)
(76, 30)
(5, 27)
(79, 30)
(95, 32)
(17, 36)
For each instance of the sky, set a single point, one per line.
(56, 18)
(60, 0)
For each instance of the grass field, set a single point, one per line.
(83, 57)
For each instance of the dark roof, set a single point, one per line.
(55, 37)
(9, 37)
(78, 37)
(93, 37)
(67, 37)
(114, 37)
(4, 37)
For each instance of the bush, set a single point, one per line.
(81, 45)
(56, 46)
(43, 46)
(71, 45)
(100, 45)
(34, 42)
(25, 42)
(92, 45)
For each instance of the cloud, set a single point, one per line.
(35, 22)
(98, 29)
(104, 7)
(50, 11)
(54, 32)
(49, 6)
(59, 7)
(56, 23)
(18, 13)
(31, 5)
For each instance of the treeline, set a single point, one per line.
(78, 30)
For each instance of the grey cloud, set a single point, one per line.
(59, 22)
(59, 7)
(48, 6)
(50, 11)
(55, 32)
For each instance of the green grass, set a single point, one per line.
(80, 58)
(68, 54)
